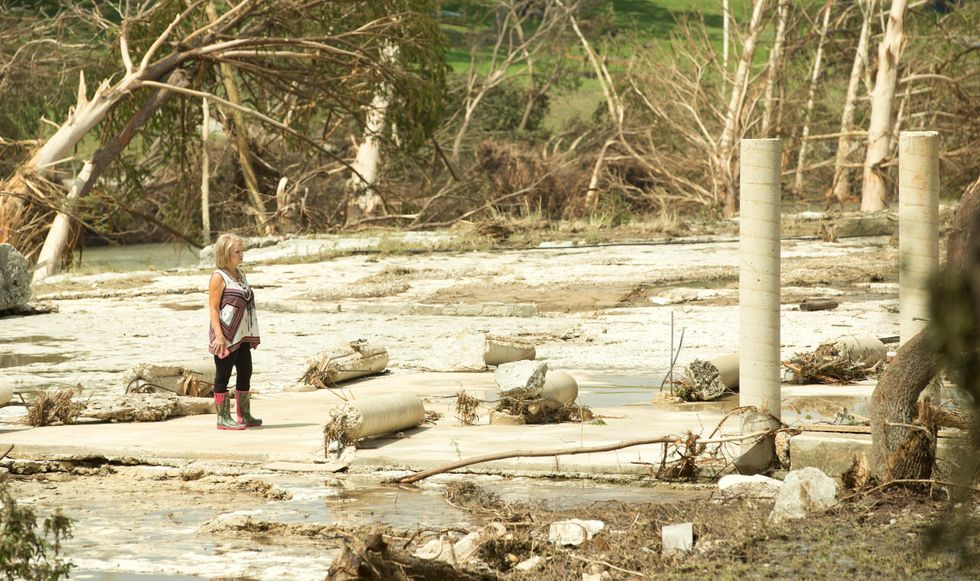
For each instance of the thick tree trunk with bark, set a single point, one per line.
(874, 189)
(902, 431)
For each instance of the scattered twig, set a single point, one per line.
(610, 565)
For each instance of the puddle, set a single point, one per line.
(616, 390)
(135, 257)
(16, 359)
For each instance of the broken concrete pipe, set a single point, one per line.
(499, 349)
(758, 280)
(191, 378)
(560, 389)
(375, 416)
(355, 359)
(866, 349)
(712, 379)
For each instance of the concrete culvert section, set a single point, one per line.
(356, 359)
(500, 349)
(354, 420)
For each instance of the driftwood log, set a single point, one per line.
(903, 432)
(372, 559)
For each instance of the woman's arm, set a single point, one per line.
(215, 289)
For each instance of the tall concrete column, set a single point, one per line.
(918, 230)
(758, 278)
(918, 226)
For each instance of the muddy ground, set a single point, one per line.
(604, 306)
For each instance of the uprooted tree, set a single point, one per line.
(903, 430)
(306, 72)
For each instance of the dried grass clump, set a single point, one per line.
(827, 364)
(466, 408)
(59, 408)
(536, 410)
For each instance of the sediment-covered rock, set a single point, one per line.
(15, 278)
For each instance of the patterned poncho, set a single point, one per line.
(239, 323)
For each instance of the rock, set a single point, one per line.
(574, 531)
(528, 564)
(782, 448)
(804, 491)
(15, 278)
(441, 549)
(462, 352)
(521, 378)
(193, 406)
(677, 539)
(465, 548)
(137, 407)
(499, 418)
(740, 486)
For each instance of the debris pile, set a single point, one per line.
(845, 360)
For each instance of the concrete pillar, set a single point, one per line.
(758, 278)
(918, 226)
(918, 230)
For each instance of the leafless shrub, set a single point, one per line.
(50, 409)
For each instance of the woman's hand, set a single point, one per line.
(219, 348)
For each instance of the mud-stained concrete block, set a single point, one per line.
(15, 278)
(523, 378)
(677, 539)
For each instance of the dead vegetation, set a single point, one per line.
(57, 408)
(827, 364)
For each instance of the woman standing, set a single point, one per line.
(234, 332)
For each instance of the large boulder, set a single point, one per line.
(15, 278)
(804, 492)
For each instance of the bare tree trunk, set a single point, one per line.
(205, 174)
(874, 188)
(811, 97)
(903, 441)
(726, 32)
(842, 180)
(364, 198)
(775, 68)
(55, 243)
(730, 132)
(241, 139)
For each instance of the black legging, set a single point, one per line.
(241, 360)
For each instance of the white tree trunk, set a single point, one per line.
(205, 174)
(874, 189)
(811, 98)
(730, 132)
(726, 17)
(365, 200)
(775, 68)
(49, 260)
(842, 181)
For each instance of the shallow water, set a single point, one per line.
(135, 257)
(17, 359)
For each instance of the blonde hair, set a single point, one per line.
(223, 248)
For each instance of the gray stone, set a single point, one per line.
(521, 378)
(133, 407)
(740, 486)
(804, 491)
(677, 539)
(15, 278)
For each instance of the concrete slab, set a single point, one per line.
(293, 433)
